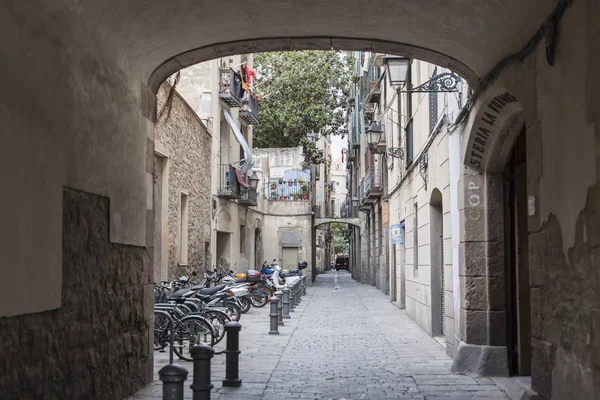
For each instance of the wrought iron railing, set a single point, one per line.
(292, 190)
(229, 186)
(230, 88)
(249, 110)
(249, 197)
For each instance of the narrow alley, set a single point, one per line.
(344, 341)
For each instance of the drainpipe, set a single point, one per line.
(247, 163)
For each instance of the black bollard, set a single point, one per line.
(299, 283)
(172, 377)
(274, 315)
(201, 386)
(279, 295)
(292, 294)
(232, 355)
(286, 304)
(297, 294)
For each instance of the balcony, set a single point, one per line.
(249, 198)
(249, 111)
(229, 187)
(230, 88)
(292, 190)
(371, 187)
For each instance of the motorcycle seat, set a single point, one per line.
(240, 280)
(178, 294)
(212, 290)
(294, 272)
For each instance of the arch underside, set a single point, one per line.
(158, 38)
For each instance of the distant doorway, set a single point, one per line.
(290, 258)
(223, 249)
(258, 249)
(436, 248)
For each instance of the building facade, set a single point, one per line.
(405, 188)
(182, 188)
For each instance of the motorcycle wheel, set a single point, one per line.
(259, 297)
(233, 310)
(244, 304)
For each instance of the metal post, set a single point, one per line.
(299, 290)
(279, 295)
(274, 315)
(201, 386)
(286, 304)
(232, 355)
(297, 294)
(172, 377)
(292, 293)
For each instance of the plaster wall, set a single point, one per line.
(77, 124)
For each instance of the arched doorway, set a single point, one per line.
(258, 249)
(493, 320)
(436, 249)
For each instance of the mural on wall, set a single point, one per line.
(292, 185)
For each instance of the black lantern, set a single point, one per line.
(374, 134)
(254, 181)
(354, 201)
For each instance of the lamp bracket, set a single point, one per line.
(444, 82)
(396, 152)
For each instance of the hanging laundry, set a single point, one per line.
(249, 75)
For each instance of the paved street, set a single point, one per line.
(344, 341)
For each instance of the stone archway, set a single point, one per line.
(489, 136)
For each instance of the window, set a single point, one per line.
(409, 143)
(183, 233)
(242, 239)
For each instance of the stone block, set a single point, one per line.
(474, 293)
(480, 360)
(538, 273)
(472, 258)
(472, 224)
(474, 326)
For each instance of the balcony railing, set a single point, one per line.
(229, 187)
(249, 111)
(293, 190)
(249, 198)
(371, 186)
(230, 88)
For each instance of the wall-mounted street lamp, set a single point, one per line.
(254, 180)
(397, 68)
(374, 136)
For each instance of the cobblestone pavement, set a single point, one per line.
(344, 341)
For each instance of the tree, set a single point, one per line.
(303, 92)
(338, 231)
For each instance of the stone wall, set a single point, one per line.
(96, 345)
(186, 140)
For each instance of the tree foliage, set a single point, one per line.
(303, 92)
(338, 230)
